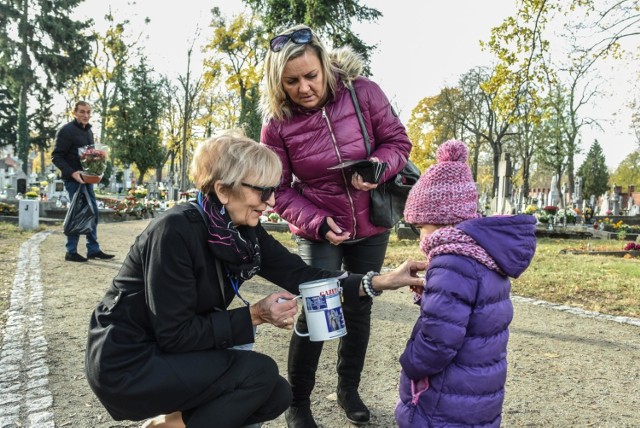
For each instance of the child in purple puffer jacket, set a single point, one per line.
(454, 367)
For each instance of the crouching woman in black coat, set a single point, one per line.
(162, 341)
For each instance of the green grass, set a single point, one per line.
(598, 283)
(604, 284)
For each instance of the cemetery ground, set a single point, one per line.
(566, 368)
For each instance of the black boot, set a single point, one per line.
(302, 366)
(356, 411)
(351, 354)
(299, 417)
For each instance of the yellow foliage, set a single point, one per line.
(433, 121)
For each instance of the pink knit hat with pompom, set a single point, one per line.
(445, 193)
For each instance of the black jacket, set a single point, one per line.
(166, 301)
(69, 139)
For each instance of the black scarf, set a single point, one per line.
(236, 247)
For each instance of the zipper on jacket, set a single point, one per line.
(415, 396)
(344, 176)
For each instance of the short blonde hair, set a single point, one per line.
(274, 102)
(231, 157)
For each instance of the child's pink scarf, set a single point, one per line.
(449, 240)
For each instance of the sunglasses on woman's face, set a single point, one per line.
(301, 37)
(265, 192)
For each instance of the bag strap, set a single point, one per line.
(356, 104)
(218, 264)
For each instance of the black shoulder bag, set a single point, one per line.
(389, 198)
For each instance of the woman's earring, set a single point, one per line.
(222, 210)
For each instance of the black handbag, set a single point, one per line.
(80, 218)
(389, 198)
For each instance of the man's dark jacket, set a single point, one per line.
(69, 139)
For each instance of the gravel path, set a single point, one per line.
(566, 367)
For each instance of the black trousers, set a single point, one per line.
(250, 391)
(359, 257)
(213, 388)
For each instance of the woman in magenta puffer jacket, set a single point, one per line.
(454, 367)
(311, 123)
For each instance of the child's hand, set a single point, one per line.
(417, 293)
(418, 289)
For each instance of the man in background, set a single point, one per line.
(65, 156)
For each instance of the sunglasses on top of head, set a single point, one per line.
(265, 192)
(301, 37)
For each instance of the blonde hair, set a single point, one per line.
(231, 157)
(275, 102)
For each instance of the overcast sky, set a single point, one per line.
(422, 45)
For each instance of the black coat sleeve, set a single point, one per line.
(182, 298)
(60, 153)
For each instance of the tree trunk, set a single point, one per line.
(104, 106)
(571, 174)
(23, 129)
(42, 171)
(185, 124)
(559, 188)
(476, 157)
(25, 66)
(496, 168)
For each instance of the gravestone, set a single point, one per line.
(5, 170)
(577, 196)
(21, 185)
(55, 189)
(152, 190)
(51, 190)
(501, 203)
(616, 200)
(604, 205)
(483, 203)
(541, 199)
(518, 200)
(29, 214)
(18, 176)
(553, 198)
(126, 178)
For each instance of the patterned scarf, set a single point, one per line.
(236, 247)
(449, 240)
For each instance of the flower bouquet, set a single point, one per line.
(569, 214)
(550, 210)
(632, 246)
(94, 162)
(140, 192)
(543, 218)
